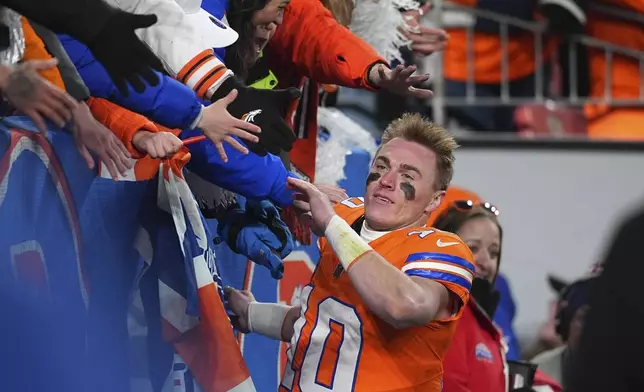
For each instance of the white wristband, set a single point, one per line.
(267, 318)
(347, 244)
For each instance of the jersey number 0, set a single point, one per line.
(341, 360)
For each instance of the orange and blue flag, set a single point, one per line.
(175, 243)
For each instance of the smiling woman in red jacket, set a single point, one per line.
(475, 360)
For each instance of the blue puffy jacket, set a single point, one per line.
(250, 175)
(174, 105)
(170, 103)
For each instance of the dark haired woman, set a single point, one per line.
(255, 21)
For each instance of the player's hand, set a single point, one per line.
(159, 145)
(35, 96)
(334, 193)
(399, 80)
(237, 302)
(321, 209)
(219, 126)
(91, 135)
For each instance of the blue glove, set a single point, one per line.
(257, 233)
(268, 214)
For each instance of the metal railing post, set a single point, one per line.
(438, 101)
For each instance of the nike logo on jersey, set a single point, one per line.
(250, 116)
(442, 244)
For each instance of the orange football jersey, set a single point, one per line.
(339, 345)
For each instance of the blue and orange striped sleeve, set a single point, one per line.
(441, 266)
(450, 262)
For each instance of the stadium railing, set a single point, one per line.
(555, 114)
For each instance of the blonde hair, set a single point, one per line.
(341, 10)
(414, 128)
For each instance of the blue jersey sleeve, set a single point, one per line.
(251, 175)
(169, 103)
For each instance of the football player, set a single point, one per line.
(383, 302)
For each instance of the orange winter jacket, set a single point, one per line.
(35, 50)
(311, 48)
(123, 122)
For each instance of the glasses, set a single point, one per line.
(467, 205)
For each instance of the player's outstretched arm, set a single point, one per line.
(398, 299)
(401, 300)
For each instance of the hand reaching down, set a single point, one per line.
(35, 96)
(413, 17)
(425, 40)
(90, 135)
(219, 126)
(399, 80)
(127, 59)
(158, 145)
